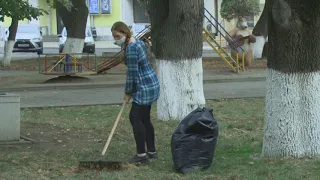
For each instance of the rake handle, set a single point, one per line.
(113, 129)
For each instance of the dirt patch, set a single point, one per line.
(55, 138)
(25, 65)
(218, 63)
(33, 64)
(68, 79)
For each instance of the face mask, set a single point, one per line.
(121, 41)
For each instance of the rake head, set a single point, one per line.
(102, 164)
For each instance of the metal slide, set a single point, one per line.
(144, 35)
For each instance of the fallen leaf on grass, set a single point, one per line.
(40, 171)
(73, 170)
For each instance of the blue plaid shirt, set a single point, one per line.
(142, 83)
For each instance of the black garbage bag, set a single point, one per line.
(194, 142)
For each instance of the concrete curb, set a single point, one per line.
(96, 86)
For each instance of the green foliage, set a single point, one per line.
(19, 9)
(231, 9)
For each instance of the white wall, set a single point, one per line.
(127, 11)
(104, 32)
(89, 20)
(127, 16)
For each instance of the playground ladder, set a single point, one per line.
(232, 62)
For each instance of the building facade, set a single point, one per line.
(103, 13)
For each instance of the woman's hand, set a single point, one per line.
(127, 97)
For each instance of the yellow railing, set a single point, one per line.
(226, 57)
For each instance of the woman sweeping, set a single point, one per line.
(143, 87)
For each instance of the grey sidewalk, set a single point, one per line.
(114, 95)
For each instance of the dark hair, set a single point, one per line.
(123, 28)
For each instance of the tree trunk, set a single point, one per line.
(292, 119)
(177, 46)
(75, 22)
(260, 30)
(8, 46)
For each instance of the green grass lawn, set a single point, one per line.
(66, 135)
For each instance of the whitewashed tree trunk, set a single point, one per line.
(73, 45)
(181, 88)
(75, 20)
(257, 47)
(8, 47)
(292, 116)
(292, 126)
(177, 44)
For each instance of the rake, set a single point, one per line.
(101, 163)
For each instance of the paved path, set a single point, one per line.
(114, 95)
(15, 81)
(8, 73)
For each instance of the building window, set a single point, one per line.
(139, 13)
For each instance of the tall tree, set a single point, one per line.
(17, 10)
(292, 117)
(232, 9)
(176, 31)
(74, 14)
